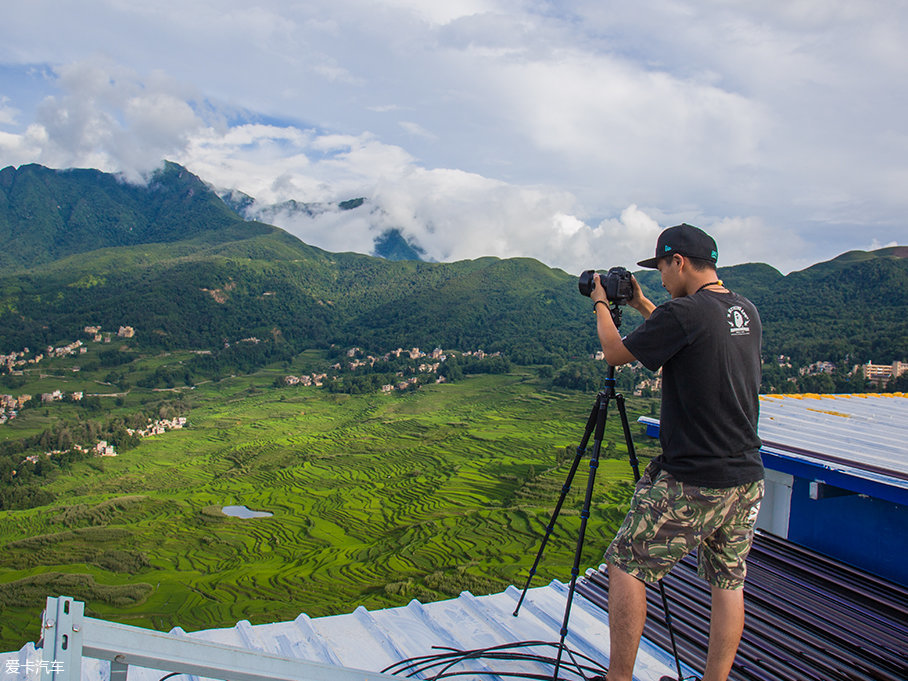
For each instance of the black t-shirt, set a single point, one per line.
(708, 345)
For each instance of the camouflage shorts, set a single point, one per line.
(668, 519)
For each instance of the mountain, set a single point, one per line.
(173, 260)
(390, 244)
(46, 215)
(855, 306)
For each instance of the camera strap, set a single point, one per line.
(712, 283)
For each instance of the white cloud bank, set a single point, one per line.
(568, 132)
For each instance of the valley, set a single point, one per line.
(376, 499)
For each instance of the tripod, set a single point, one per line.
(595, 427)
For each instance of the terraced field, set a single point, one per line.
(376, 500)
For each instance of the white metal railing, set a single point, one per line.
(68, 637)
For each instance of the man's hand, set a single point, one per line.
(598, 292)
(640, 302)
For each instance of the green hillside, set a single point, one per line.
(174, 261)
(226, 279)
(48, 214)
(851, 307)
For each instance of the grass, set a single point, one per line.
(376, 499)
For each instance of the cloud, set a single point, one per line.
(108, 118)
(876, 245)
(549, 125)
(751, 239)
(8, 114)
(450, 213)
(417, 130)
(603, 113)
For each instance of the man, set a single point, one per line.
(703, 492)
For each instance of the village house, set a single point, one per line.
(479, 354)
(306, 380)
(18, 359)
(69, 349)
(821, 367)
(651, 384)
(104, 449)
(126, 332)
(13, 359)
(355, 364)
(881, 374)
(158, 427)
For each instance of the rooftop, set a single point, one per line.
(809, 617)
(378, 640)
(864, 432)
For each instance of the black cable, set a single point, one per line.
(452, 657)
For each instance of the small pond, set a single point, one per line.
(243, 512)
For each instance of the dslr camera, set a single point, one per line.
(619, 288)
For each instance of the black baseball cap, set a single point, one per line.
(686, 240)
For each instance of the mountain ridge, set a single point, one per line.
(176, 241)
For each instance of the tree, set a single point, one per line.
(451, 370)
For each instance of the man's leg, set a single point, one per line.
(626, 617)
(726, 624)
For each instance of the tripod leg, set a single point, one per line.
(581, 450)
(631, 452)
(584, 516)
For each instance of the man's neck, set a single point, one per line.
(706, 280)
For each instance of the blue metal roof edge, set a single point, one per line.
(879, 486)
(851, 479)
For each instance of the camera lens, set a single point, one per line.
(586, 283)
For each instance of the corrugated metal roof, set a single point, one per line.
(809, 617)
(374, 640)
(864, 431)
(863, 435)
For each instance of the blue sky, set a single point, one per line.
(568, 132)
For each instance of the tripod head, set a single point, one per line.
(615, 310)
